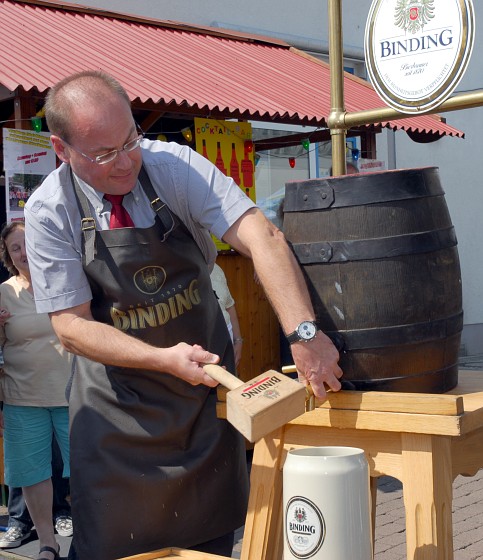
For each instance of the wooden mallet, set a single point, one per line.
(260, 406)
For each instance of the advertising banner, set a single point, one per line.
(417, 51)
(28, 158)
(228, 144)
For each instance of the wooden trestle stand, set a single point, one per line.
(423, 440)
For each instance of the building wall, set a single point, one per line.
(306, 25)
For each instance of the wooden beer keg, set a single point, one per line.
(379, 254)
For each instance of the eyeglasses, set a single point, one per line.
(110, 156)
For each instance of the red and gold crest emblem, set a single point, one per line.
(413, 15)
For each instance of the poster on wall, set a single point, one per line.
(229, 145)
(28, 158)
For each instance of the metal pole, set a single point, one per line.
(336, 62)
(382, 114)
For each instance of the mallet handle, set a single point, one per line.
(222, 376)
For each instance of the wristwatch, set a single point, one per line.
(305, 332)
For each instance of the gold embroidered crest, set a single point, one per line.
(150, 279)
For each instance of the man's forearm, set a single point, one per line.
(105, 344)
(99, 342)
(284, 284)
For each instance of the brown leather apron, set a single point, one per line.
(151, 465)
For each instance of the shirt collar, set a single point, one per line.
(95, 197)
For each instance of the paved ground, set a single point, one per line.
(390, 543)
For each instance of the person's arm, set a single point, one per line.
(80, 334)
(280, 275)
(4, 317)
(237, 337)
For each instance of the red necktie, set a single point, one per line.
(120, 217)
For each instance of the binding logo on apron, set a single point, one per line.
(150, 279)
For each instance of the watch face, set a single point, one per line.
(306, 330)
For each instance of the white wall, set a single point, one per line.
(459, 160)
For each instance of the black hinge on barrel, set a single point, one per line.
(317, 197)
(308, 253)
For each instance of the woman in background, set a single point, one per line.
(35, 374)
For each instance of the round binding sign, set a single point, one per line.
(417, 51)
(304, 527)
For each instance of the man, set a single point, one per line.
(151, 464)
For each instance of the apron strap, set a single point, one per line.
(162, 211)
(88, 224)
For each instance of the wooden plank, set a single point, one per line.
(427, 482)
(412, 403)
(470, 387)
(164, 553)
(467, 453)
(263, 521)
(433, 424)
(450, 403)
(382, 421)
(471, 421)
(461, 410)
(409, 403)
(168, 553)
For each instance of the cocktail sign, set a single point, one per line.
(417, 51)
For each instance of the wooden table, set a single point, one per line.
(424, 440)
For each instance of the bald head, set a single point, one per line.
(78, 93)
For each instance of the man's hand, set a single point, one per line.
(317, 364)
(185, 361)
